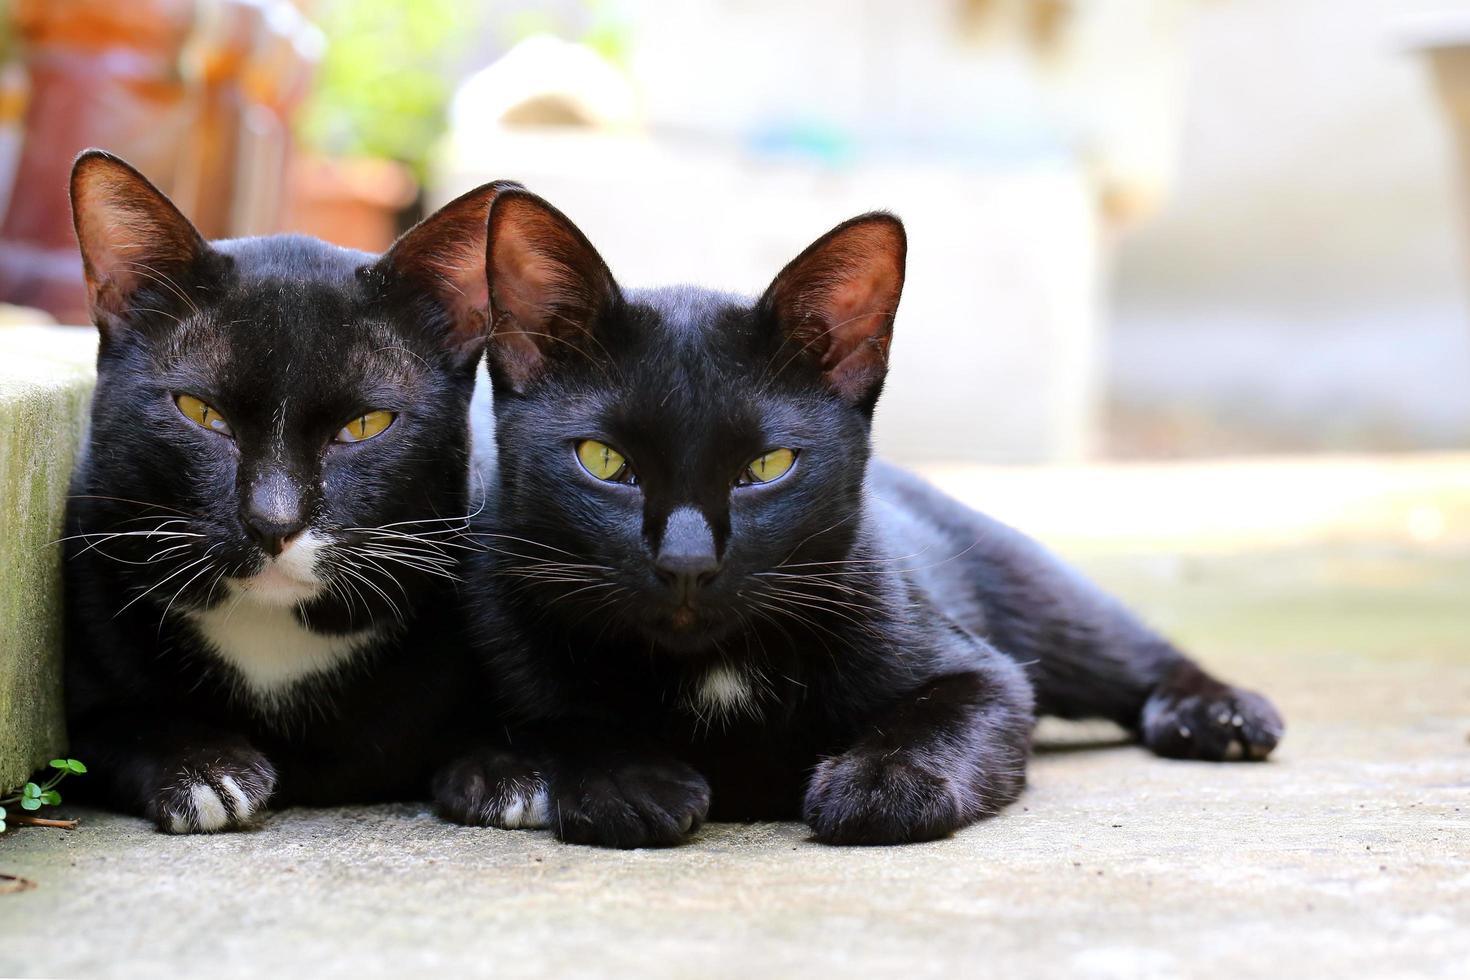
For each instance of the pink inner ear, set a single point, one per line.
(464, 274)
(521, 279)
(524, 282)
(110, 238)
(548, 288)
(128, 232)
(856, 311)
(444, 256)
(837, 300)
(109, 268)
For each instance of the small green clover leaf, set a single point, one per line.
(32, 796)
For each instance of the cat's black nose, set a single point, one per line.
(687, 559)
(273, 538)
(687, 574)
(273, 514)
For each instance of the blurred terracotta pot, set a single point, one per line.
(349, 202)
(98, 74)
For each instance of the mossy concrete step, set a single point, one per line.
(46, 376)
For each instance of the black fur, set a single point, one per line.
(288, 338)
(895, 645)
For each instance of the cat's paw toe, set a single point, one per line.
(646, 803)
(862, 798)
(1213, 722)
(226, 792)
(493, 788)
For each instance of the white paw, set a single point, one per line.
(207, 802)
(520, 807)
(202, 810)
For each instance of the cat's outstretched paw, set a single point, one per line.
(1194, 716)
(861, 797)
(629, 802)
(493, 787)
(213, 790)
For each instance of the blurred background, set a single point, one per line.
(1187, 300)
(1140, 228)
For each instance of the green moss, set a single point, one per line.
(45, 387)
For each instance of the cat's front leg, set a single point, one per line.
(610, 789)
(588, 784)
(187, 778)
(947, 754)
(626, 797)
(495, 786)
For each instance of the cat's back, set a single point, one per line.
(908, 507)
(977, 570)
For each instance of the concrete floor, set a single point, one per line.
(1349, 853)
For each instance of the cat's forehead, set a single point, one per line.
(695, 365)
(287, 257)
(295, 286)
(692, 335)
(289, 304)
(280, 319)
(692, 312)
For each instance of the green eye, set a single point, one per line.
(767, 467)
(203, 414)
(603, 461)
(365, 426)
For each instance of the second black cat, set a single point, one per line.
(699, 595)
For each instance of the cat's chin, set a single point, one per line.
(687, 639)
(272, 586)
(289, 579)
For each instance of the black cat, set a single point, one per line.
(260, 539)
(719, 599)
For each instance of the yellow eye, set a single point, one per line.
(770, 466)
(603, 461)
(199, 413)
(365, 426)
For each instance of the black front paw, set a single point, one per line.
(863, 797)
(1193, 716)
(212, 789)
(493, 788)
(629, 802)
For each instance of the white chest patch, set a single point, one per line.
(270, 649)
(724, 691)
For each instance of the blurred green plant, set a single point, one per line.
(7, 33)
(385, 82)
(33, 795)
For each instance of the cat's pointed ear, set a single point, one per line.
(835, 302)
(131, 236)
(443, 257)
(548, 289)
